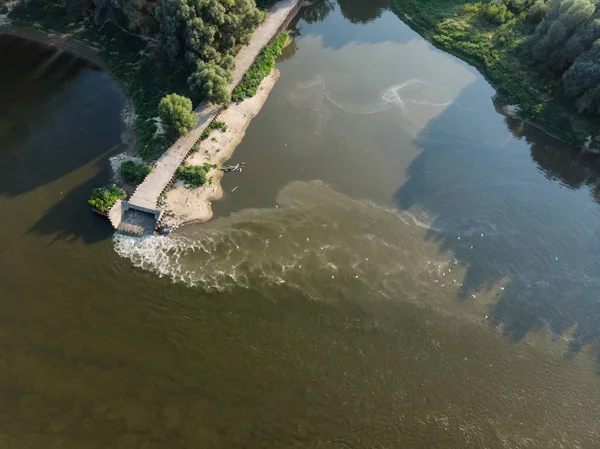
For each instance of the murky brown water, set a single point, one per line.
(400, 266)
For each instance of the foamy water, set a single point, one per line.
(315, 235)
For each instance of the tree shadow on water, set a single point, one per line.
(71, 219)
(518, 210)
(351, 21)
(58, 114)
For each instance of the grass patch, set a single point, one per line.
(103, 198)
(260, 69)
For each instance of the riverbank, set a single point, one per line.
(494, 45)
(183, 205)
(61, 41)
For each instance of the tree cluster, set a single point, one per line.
(197, 36)
(567, 43)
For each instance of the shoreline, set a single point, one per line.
(60, 41)
(185, 206)
(581, 129)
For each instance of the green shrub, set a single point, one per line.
(260, 69)
(177, 114)
(103, 198)
(192, 175)
(134, 173)
(195, 147)
(216, 124)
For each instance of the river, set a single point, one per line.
(400, 266)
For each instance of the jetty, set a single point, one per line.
(125, 215)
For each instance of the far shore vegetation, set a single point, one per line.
(542, 56)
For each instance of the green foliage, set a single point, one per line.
(567, 32)
(192, 175)
(134, 173)
(537, 11)
(494, 12)
(195, 147)
(204, 30)
(215, 124)
(210, 81)
(205, 133)
(260, 69)
(582, 80)
(103, 198)
(188, 40)
(177, 114)
(48, 14)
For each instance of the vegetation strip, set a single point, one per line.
(259, 70)
(543, 56)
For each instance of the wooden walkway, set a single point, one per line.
(146, 195)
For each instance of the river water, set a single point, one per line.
(399, 267)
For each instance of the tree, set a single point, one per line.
(582, 80)
(210, 81)
(177, 115)
(537, 11)
(568, 30)
(205, 30)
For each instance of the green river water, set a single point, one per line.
(400, 266)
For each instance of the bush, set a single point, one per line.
(259, 70)
(195, 147)
(192, 175)
(177, 114)
(103, 198)
(215, 124)
(134, 173)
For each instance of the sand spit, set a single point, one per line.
(183, 205)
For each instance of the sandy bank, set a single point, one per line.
(194, 205)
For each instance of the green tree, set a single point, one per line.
(134, 173)
(567, 31)
(582, 80)
(211, 81)
(177, 114)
